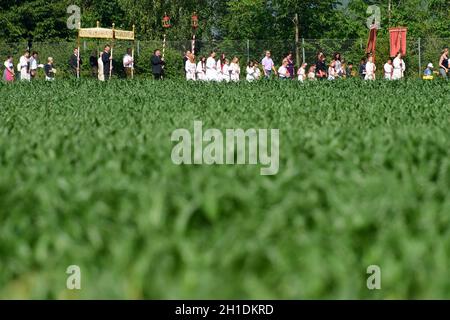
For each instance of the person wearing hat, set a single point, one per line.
(428, 73)
(443, 63)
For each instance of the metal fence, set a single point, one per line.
(419, 52)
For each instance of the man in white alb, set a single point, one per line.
(388, 69)
(24, 66)
(211, 71)
(399, 67)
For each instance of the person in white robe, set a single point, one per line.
(201, 69)
(235, 69)
(370, 69)
(24, 67)
(250, 71)
(211, 71)
(190, 67)
(225, 71)
(399, 67)
(101, 74)
(388, 70)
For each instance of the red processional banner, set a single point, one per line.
(397, 38)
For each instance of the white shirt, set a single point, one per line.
(283, 72)
(250, 73)
(399, 68)
(23, 62)
(211, 72)
(33, 64)
(399, 64)
(370, 71)
(388, 69)
(201, 73)
(226, 72)
(235, 71)
(210, 63)
(190, 69)
(128, 61)
(301, 74)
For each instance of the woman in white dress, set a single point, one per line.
(225, 72)
(201, 69)
(332, 71)
(399, 67)
(338, 65)
(211, 71)
(101, 74)
(370, 69)
(250, 70)
(220, 65)
(235, 69)
(190, 67)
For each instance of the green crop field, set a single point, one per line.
(86, 178)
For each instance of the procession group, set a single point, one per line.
(223, 69)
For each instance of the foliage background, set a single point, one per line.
(223, 19)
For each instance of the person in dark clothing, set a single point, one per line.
(73, 63)
(157, 64)
(362, 68)
(49, 70)
(349, 70)
(93, 62)
(321, 66)
(107, 59)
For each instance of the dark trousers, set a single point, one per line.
(157, 76)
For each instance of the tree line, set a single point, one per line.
(43, 20)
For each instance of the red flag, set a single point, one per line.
(372, 42)
(397, 38)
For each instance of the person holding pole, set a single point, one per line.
(399, 67)
(107, 62)
(128, 63)
(157, 63)
(75, 63)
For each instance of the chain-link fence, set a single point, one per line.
(419, 52)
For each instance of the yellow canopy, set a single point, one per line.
(103, 33)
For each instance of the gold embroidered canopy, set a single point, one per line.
(104, 33)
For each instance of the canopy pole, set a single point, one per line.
(78, 53)
(132, 52)
(111, 58)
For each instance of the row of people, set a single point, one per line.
(208, 69)
(27, 67)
